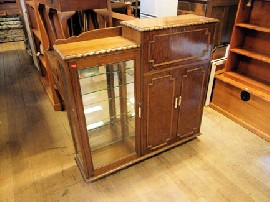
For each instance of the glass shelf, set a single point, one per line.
(111, 133)
(99, 115)
(100, 96)
(100, 70)
(109, 108)
(105, 81)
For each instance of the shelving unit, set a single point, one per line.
(249, 64)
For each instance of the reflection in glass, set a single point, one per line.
(108, 99)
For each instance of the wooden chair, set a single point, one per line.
(56, 21)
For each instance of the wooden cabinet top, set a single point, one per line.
(150, 24)
(81, 49)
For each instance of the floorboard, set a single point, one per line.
(226, 163)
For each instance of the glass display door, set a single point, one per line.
(109, 107)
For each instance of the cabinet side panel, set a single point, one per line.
(72, 116)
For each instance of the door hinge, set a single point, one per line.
(140, 112)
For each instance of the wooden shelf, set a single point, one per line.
(251, 54)
(254, 27)
(249, 81)
(37, 33)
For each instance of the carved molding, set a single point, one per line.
(151, 25)
(149, 146)
(96, 52)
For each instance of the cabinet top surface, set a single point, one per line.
(150, 24)
(94, 47)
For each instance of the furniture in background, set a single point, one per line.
(8, 7)
(52, 20)
(134, 91)
(225, 11)
(242, 92)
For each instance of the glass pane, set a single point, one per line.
(108, 99)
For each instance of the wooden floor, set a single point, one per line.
(226, 163)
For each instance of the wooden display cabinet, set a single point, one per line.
(242, 92)
(134, 91)
(99, 76)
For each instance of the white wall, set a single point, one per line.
(159, 8)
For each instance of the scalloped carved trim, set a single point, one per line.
(141, 27)
(97, 52)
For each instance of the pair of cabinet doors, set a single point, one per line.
(173, 103)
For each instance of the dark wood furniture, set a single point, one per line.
(135, 91)
(242, 92)
(225, 11)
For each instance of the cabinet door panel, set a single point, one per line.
(192, 94)
(159, 110)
